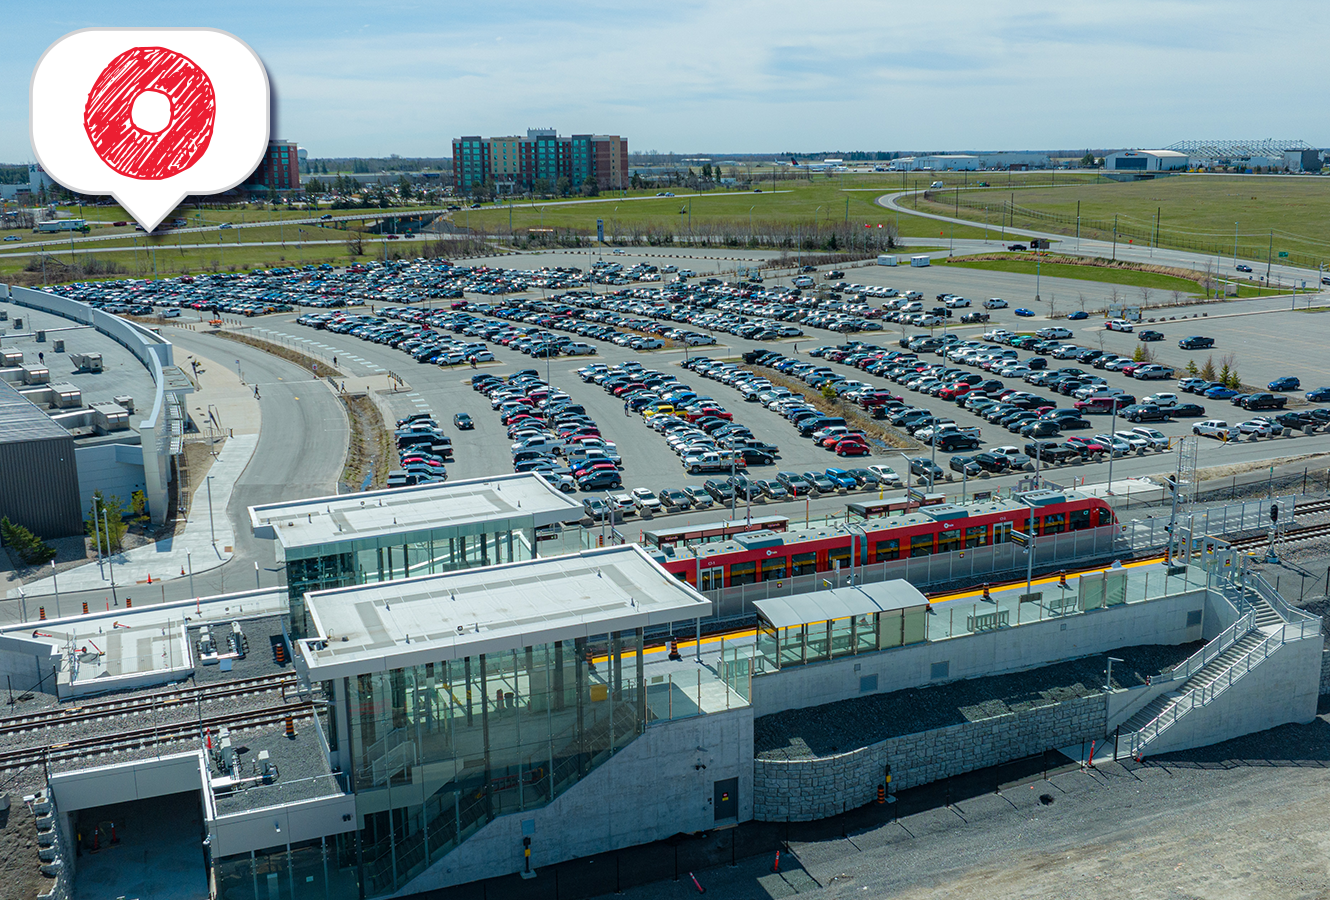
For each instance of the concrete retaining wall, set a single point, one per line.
(1325, 671)
(808, 789)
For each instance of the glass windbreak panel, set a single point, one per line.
(767, 642)
(804, 563)
(921, 544)
(977, 536)
(885, 550)
(792, 646)
(889, 629)
(743, 573)
(913, 628)
(950, 540)
(773, 569)
(842, 634)
(818, 641)
(865, 633)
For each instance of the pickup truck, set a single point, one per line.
(976, 316)
(1144, 412)
(711, 462)
(1264, 401)
(1215, 428)
(1051, 451)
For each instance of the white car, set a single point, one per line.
(886, 474)
(957, 303)
(1134, 440)
(1258, 427)
(645, 499)
(1053, 332)
(1118, 325)
(1215, 428)
(1118, 445)
(995, 303)
(1156, 438)
(1163, 401)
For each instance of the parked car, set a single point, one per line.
(1025, 313)
(1078, 315)
(1149, 334)
(1319, 395)
(966, 465)
(1196, 342)
(1287, 383)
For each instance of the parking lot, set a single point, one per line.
(497, 320)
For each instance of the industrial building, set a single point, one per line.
(1252, 155)
(38, 473)
(1139, 161)
(517, 163)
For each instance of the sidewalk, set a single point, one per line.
(218, 390)
(194, 546)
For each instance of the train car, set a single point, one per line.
(767, 556)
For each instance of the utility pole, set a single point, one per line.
(1115, 237)
(1078, 226)
(1269, 253)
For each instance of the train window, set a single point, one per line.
(884, 550)
(804, 563)
(1079, 519)
(743, 573)
(838, 557)
(977, 536)
(774, 568)
(1105, 515)
(948, 541)
(1055, 523)
(921, 544)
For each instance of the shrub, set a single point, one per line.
(113, 522)
(29, 548)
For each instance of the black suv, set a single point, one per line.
(992, 462)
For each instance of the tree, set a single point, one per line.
(404, 187)
(29, 548)
(110, 527)
(541, 186)
(706, 171)
(1087, 161)
(1191, 368)
(564, 186)
(1208, 369)
(1234, 380)
(635, 182)
(355, 245)
(590, 187)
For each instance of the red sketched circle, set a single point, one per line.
(147, 155)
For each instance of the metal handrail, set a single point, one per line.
(1215, 648)
(1203, 695)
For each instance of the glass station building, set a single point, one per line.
(378, 536)
(457, 698)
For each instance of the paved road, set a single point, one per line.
(1284, 274)
(301, 450)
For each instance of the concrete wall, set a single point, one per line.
(114, 469)
(137, 780)
(1283, 688)
(650, 790)
(259, 828)
(1325, 672)
(1013, 649)
(804, 790)
(28, 662)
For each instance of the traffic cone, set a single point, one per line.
(987, 596)
(1062, 578)
(149, 578)
(881, 794)
(128, 603)
(291, 727)
(674, 650)
(114, 839)
(41, 613)
(182, 571)
(85, 607)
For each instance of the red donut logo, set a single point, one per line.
(135, 149)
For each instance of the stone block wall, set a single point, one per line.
(806, 789)
(1325, 671)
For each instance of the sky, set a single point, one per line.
(363, 78)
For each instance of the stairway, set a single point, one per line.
(1267, 621)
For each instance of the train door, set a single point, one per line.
(713, 579)
(1001, 532)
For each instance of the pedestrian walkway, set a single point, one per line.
(204, 543)
(220, 398)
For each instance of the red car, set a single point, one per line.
(852, 447)
(951, 392)
(1086, 445)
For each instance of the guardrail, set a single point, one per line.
(1214, 649)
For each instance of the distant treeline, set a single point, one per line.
(373, 165)
(13, 174)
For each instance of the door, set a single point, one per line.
(713, 579)
(726, 799)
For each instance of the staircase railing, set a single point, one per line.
(1212, 650)
(1203, 695)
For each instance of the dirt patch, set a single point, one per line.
(19, 864)
(370, 451)
(306, 362)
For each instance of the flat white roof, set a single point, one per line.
(840, 603)
(374, 628)
(463, 505)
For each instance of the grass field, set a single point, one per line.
(1104, 275)
(1196, 212)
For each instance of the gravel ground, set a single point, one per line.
(19, 865)
(849, 724)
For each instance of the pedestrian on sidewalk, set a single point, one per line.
(256, 392)
(334, 360)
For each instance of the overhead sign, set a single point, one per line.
(1020, 538)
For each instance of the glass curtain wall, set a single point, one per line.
(440, 749)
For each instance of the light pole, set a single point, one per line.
(211, 528)
(1109, 681)
(190, 562)
(1037, 264)
(56, 587)
(1029, 548)
(1235, 244)
(1112, 436)
(110, 566)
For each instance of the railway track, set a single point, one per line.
(140, 703)
(1305, 533)
(157, 734)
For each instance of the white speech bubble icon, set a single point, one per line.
(149, 115)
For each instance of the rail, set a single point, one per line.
(1307, 623)
(1214, 649)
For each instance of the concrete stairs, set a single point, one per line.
(1266, 622)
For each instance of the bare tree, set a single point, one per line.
(1177, 297)
(355, 244)
(1145, 296)
(1081, 297)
